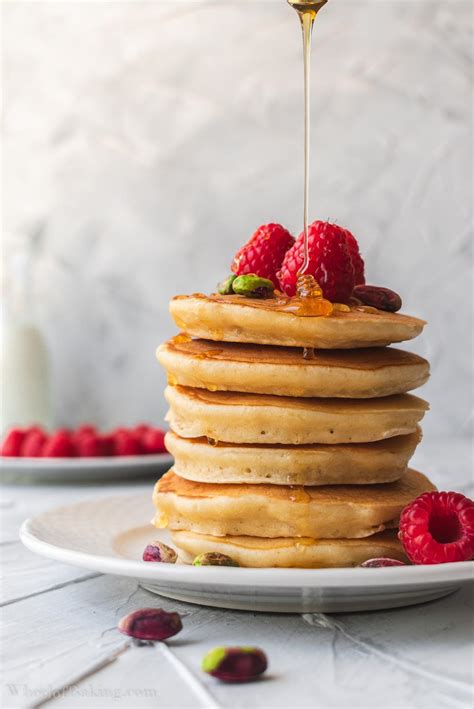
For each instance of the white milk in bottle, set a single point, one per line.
(24, 361)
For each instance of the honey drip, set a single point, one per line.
(309, 301)
(208, 354)
(181, 338)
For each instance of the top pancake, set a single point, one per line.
(234, 318)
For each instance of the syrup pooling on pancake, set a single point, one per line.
(234, 318)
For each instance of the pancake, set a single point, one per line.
(258, 418)
(291, 553)
(239, 319)
(260, 369)
(329, 512)
(349, 464)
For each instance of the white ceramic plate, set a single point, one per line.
(28, 470)
(109, 535)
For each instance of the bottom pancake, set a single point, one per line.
(291, 552)
(326, 512)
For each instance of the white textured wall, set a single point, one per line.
(144, 141)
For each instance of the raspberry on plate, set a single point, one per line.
(438, 527)
(85, 429)
(140, 429)
(330, 262)
(33, 443)
(107, 444)
(126, 443)
(264, 252)
(12, 443)
(153, 441)
(59, 445)
(88, 445)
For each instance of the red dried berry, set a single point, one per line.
(12, 443)
(59, 445)
(438, 527)
(264, 252)
(330, 262)
(378, 297)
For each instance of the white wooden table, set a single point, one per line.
(60, 642)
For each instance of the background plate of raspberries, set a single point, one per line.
(84, 454)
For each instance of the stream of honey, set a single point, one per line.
(309, 300)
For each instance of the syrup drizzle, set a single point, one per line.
(310, 295)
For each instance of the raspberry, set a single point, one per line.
(11, 446)
(264, 252)
(357, 261)
(438, 527)
(85, 428)
(33, 443)
(140, 429)
(153, 441)
(126, 443)
(107, 444)
(88, 445)
(329, 262)
(59, 445)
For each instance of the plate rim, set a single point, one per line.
(85, 462)
(424, 575)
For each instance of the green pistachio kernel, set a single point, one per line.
(235, 664)
(225, 286)
(214, 558)
(252, 286)
(213, 659)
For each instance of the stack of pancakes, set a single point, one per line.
(281, 459)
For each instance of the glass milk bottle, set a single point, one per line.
(24, 361)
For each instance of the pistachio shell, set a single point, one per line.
(150, 624)
(235, 664)
(157, 551)
(214, 558)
